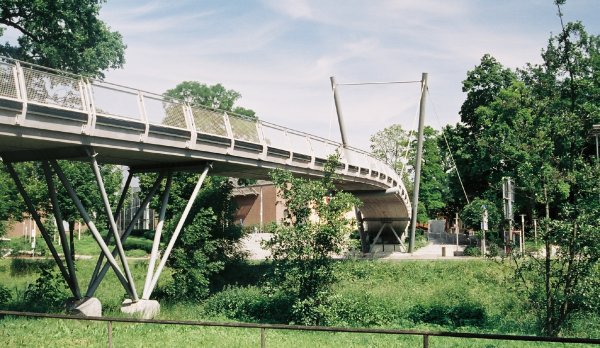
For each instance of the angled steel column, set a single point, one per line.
(117, 213)
(415, 202)
(95, 282)
(61, 229)
(38, 222)
(91, 225)
(338, 109)
(377, 236)
(157, 234)
(364, 243)
(182, 219)
(113, 226)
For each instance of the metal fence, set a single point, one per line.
(264, 327)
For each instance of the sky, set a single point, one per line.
(280, 54)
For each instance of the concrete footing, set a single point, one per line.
(145, 309)
(87, 307)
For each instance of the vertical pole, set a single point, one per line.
(109, 334)
(338, 109)
(535, 231)
(261, 209)
(415, 202)
(456, 230)
(522, 241)
(364, 244)
(263, 338)
(425, 341)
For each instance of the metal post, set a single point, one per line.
(263, 338)
(522, 241)
(182, 219)
(377, 236)
(91, 225)
(110, 334)
(338, 109)
(157, 234)
(364, 244)
(415, 202)
(58, 218)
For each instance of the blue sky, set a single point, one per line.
(279, 54)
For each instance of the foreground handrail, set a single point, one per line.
(262, 327)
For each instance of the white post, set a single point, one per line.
(261, 209)
(522, 241)
(535, 231)
(78, 230)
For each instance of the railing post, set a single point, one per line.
(425, 341)
(263, 338)
(110, 338)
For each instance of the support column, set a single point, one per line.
(113, 226)
(415, 202)
(377, 236)
(38, 222)
(61, 230)
(364, 243)
(184, 215)
(95, 282)
(91, 226)
(157, 235)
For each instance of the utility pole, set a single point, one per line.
(415, 201)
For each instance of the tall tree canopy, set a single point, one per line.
(65, 35)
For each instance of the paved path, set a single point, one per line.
(433, 251)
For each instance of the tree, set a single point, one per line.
(536, 129)
(397, 147)
(303, 244)
(214, 97)
(66, 35)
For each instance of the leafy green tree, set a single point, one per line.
(214, 96)
(302, 246)
(65, 35)
(535, 128)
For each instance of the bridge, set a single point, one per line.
(48, 115)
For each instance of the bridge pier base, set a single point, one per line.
(144, 309)
(87, 307)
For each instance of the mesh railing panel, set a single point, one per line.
(52, 89)
(299, 143)
(8, 88)
(244, 129)
(210, 122)
(115, 102)
(164, 112)
(275, 137)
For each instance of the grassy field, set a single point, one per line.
(368, 294)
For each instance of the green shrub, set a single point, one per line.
(462, 314)
(250, 304)
(472, 250)
(5, 296)
(48, 293)
(20, 266)
(138, 243)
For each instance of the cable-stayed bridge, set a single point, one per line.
(48, 115)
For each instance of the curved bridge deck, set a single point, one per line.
(52, 114)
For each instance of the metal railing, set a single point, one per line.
(29, 86)
(263, 327)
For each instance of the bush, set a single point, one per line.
(250, 304)
(472, 250)
(5, 296)
(20, 266)
(138, 243)
(48, 293)
(462, 314)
